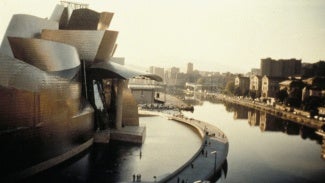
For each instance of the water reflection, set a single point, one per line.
(168, 146)
(221, 175)
(264, 148)
(267, 122)
(270, 123)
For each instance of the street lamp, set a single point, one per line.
(215, 159)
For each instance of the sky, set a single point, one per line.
(215, 35)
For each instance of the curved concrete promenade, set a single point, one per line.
(207, 160)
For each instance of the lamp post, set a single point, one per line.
(215, 159)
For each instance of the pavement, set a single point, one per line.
(209, 158)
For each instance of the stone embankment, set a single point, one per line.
(208, 159)
(279, 112)
(211, 155)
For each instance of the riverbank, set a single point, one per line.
(207, 160)
(281, 113)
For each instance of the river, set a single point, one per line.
(263, 148)
(168, 146)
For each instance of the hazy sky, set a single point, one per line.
(215, 35)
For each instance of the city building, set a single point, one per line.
(314, 86)
(270, 86)
(255, 71)
(255, 85)
(293, 88)
(189, 68)
(241, 85)
(313, 69)
(157, 71)
(143, 94)
(280, 68)
(313, 93)
(60, 89)
(171, 76)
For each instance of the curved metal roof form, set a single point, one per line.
(91, 45)
(86, 19)
(26, 26)
(113, 70)
(20, 75)
(61, 14)
(45, 55)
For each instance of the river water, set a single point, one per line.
(168, 146)
(263, 148)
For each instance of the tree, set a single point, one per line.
(281, 95)
(200, 81)
(252, 94)
(230, 87)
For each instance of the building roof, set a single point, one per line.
(273, 78)
(146, 87)
(286, 82)
(114, 70)
(318, 82)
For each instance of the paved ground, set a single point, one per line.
(205, 164)
(208, 159)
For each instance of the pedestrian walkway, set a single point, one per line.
(209, 158)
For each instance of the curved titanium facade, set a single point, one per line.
(86, 19)
(22, 76)
(45, 109)
(61, 15)
(114, 70)
(45, 55)
(26, 26)
(91, 45)
(42, 115)
(130, 115)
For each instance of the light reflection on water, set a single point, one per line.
(265, 156)
(168, 146)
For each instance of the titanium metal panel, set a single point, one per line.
(61, 15)
(70, 74)
(86, 19)
(107, 46)
(91, 45)
(45, 55)
(26, 26)
(130, 115)
(113, 70)
(20, 75)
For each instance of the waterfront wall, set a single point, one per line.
(48, 163)
(282, 113)
(206, 132)
(133, 134)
